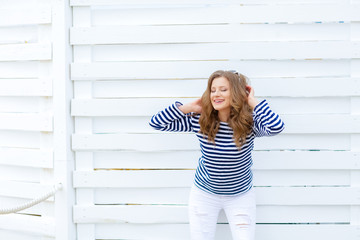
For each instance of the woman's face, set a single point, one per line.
(220, 94)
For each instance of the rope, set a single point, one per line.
(32, 202)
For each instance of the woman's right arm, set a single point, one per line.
(175, 118)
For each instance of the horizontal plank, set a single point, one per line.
(149, 106)
(41, 209)
(227, 51)
(224, 14)
(22, 69)
(179, 214)
(283, 196)
(20, 139)
(263, 231)
(190, 2)
(26, 87)
(44, 226)
(263, 160)
(26, 121)
(170, 141)
(295, 123)
(24, 104)
(226, 34)
(26, 157)
(290, 87)
(184, 178)
(203, 69)
(19, 34)
(16, 235)
(26, 14)
(25, 52)
(21, 174)
(23, 189)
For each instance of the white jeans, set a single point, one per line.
(204, 209)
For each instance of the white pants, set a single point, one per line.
(204, 209)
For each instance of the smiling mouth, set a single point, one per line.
(218, 101)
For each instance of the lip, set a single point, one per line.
(218, 101)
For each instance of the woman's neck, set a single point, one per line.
(224, 115)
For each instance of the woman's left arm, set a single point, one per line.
(266, 122)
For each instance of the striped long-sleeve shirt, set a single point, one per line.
(223, 168)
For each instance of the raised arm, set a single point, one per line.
(266, 122)
(176, 117)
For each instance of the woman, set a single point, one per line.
(226, 119)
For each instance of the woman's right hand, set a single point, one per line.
(194, 106)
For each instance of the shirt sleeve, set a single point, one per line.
(171, 119)
(266, 122)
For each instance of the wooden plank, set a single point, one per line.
(302, 124)
(43, 226)
(26, 69)
(26, 87)
(169, 141)
(25, 52)
(21, 174)
(16, 235)
(23, 189)
(254, 50)
(26, 14)
(290, 87)
(179, 214)
(283, 196)
(263, 160)
(225, 34)
(18, 34)
(38, 209)
(184, 178)
(203, 69)
(132, 3)
(228, 14)
(26, 157)
(26, 121)
(266, 231)
(149, 106)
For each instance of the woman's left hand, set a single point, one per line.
(252, 101)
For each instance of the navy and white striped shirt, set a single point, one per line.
(223, 168)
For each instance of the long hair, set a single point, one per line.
(240, 120)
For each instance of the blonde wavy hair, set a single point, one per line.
(240, 120)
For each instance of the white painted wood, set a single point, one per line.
(225, 33)
(217, 51)
(262, 160)
(184, 178)
(61, 16)
(203, 69)
(133, 3)
(26, 157)
(178, 214)
(25, 52)
(23, 189)
(25, 13)
(295, 123)
(169, 141)
(268, 231)
(30, 122)
(25, 87)
(264, 195)
(29, 224)
(149, 106)
(294, 87)
(228, 14)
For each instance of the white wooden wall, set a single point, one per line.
(132, 58)
(31, 75)
(26, 156)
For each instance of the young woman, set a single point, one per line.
(226, 119)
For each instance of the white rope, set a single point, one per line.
(32, 202)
